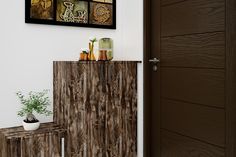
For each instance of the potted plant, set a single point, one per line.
(35, 102)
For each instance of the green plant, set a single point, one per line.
(35, 102)
(93, 40)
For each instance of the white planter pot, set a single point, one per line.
(30, 126)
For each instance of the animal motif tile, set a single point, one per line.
(72, 11)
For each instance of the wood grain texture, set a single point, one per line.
(200, 86)
(193, 16)
(199, 50)
(199, 122)
(174, 145)
(192, 20)
(44, 142)
(97, 103)
(231, 78)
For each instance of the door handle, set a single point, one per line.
(154, 60)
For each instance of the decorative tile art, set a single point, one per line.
(85, 13)
(101, 14)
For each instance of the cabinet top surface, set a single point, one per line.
(18, 132)
(100, 62)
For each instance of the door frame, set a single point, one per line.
(146, 77)
(230, 77)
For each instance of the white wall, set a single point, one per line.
(27, 52)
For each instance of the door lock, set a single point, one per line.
(154, 62)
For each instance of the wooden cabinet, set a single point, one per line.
(44, 142)
(97, 103)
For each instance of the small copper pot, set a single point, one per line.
(102, 55)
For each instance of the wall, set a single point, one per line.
(27, 52)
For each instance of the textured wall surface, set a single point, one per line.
(97, 103)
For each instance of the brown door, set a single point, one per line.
(190, 94)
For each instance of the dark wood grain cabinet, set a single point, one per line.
(97, 103)
(44, 142)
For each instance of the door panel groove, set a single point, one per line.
(196, 51)
(174, 132)
(203, 105)
(173, 36)
(174, 145)
(165, 3)
(201, 86)
(200, 122)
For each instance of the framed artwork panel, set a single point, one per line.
(83, 13)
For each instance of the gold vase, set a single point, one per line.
(91, 56)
